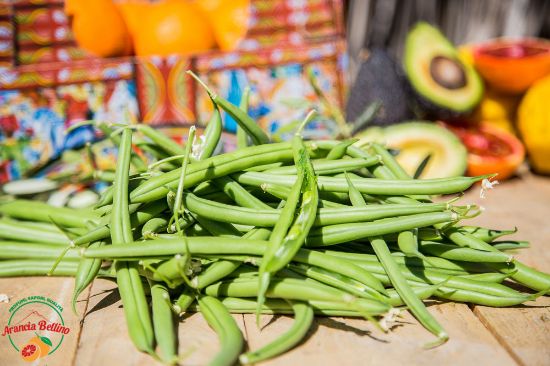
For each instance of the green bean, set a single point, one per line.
(368, 185)
(229, 334)
(255, 132)
(159, 248)
(22, 232)
(178, 208)
(238, 194)
(282, 193)
(105, 198)
(341, 233)
(130, 287)
(415, 305)
(87, 271)
(521, 273)
(455, 252)
(15, 250)
(529, 277)
(211, 168)
(242, 137)
(432, 276)
(36, 267)
(510, 244)
(487, 277)
(183, 301)
(290, 232)
(303, 318)
(407, 241)
(393, 271)
(279, 306)
(216, 228)
(327, 167)
(325, 216)
(135, 160)
(140, 214)
(338, 151)
(153, 226)
(390, 162)
(215, 272)
(485, 234)
(212, 135)
(163, 142)
(42, 212)
(163, 324)
(295, 289)
(480, 298)
(336, 280)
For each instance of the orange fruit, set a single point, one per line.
(133, 13)
(491, 150)
(229, 20)
(99, 28)
(30, 352)
(173, 27)
(43, 343)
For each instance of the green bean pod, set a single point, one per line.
(303, 318)
(242, 137)
(215, 272)
(342, 233)
(41, 211)
(454, 252)
(162, 248)
(163, 324)
(327, 167)
(21, 232)
(229, 334)
(129, 283)
(212, 134)
(87, 271)
(375, 186)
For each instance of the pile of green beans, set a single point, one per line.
(301, 227)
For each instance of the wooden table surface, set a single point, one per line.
(479, 335)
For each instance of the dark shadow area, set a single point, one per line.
(111, 298)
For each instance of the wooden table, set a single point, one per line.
(479, 335)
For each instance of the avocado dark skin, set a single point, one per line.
(378, 80)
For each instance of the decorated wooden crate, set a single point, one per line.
(39, 103)
(59, 84)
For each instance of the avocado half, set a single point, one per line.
(416, 140)
(445, 86)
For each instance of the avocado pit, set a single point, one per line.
(447, 72)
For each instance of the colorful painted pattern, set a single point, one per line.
(33, 122)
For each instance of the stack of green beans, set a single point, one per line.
(302, 227)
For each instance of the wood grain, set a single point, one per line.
(343, 341)
(523, 331)
(104, 339)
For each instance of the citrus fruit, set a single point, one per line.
(43, 343)
(30, 351)
(490, 150)
(99, 28)
(228, 19)
(173, 27)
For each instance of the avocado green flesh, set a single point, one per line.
(423, 44)
(415, 141)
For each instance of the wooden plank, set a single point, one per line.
(345, 341)
(57, 289)
(524, 330)
(105, 341)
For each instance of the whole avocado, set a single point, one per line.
(378, 81)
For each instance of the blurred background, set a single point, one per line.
(479, 102)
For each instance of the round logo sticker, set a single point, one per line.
(35, 327)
